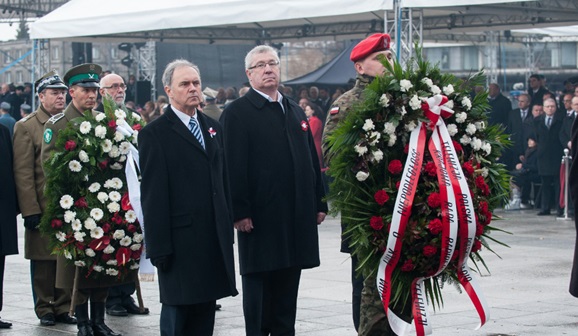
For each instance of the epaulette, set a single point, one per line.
(56, 117)
(30, 115)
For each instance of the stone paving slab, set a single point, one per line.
(527, 290)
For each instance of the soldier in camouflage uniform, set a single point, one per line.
(368, 314)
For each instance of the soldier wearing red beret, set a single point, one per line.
(367, 57)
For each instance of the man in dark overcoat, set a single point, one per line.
(186, 207)
(573, 188)
(8, 209)
(277, 195)
(550, 152)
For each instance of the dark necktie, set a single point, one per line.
(548, 122)
(194, 127)
(524, 114)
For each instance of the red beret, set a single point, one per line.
(374, 43)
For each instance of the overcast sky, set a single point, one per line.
(7, 32)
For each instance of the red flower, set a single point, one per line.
(483, 206)
(406, 149)
(80, 246)
(103, 164)
(106, 227)
(376, 223)
(137, 127)
(481, 184)
(106, 257)
(136, 254)
(429, 250)
(468, 169)
(430, 168)
(395, 167)
(457, 146)
(381, 197)
(112, 124)
(56, 223)
(397, 184)
(407, 266)
(477, 246)
(435, 226)
(433, 200)
(123, 255)
(100, 244)
(125, 202)
(81, 203)
(479, 229)
(131, 228)
(70, 145)
(116, 218)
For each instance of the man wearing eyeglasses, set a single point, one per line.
(277, 193)
(119, 301)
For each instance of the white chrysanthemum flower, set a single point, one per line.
(126, 241)
(113, 207)
(136, 116)
(360, 149)
(85, 127)
(102, 197)
(76, 225)
(383, 100)
(410, 126)
(112, 262)
(96, 213)
(67, 255)
(435, 89)
(361, 176)
(485, 172)
(465, 140)
(415, 103)
(100, 131)
(124, 148)
(461, 117)
(114, 152)
(116, 183)
(97, 233)
(69, 216)
(100, 117)
(114, 196)
(118, 137)
(116, 166)
(448, 90)
(467, 103)
(377, 155)
(111, 271)
(452, 129)
(66, 201)
(120, 114)
(476, 144)
(89, 252)
(134, 266)
(122, 158)
(61, 236)
(135, 137)
(130, 216)
(449, 104)
(405, 85)
(388, 128)
(471, 129)
(118, 234)
(392, 140)
(79, 263)
(135, 247)
(106, 145)
(83, 156)
(87, 142)
(427, 81)
(368, 125)
(487, 148)
(98, 268)
(108, 184)
(403, 111)
(480, 125)
(137, 237)
(89, 224)
(108, 250)
(375, 136)
(94, 187)
(74, 166)
(79, 236)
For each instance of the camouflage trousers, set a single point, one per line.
(373, 321)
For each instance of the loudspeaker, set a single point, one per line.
(81, 53)
(143, 92)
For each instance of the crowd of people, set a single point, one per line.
(539, 130)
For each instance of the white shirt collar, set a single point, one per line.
(185, 118)
(279, 98)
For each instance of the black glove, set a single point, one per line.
(162, 263)
(31, 222)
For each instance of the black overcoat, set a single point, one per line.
(550, 149)
(186, 206)
(275, 181)
(573, 187)
(8, 200)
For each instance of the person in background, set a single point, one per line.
(6, 118)
(211, 109)
(312, 111)
(25, 110)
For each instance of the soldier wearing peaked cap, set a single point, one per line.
(83, 83)
(368, 313)
(211, 108)
(51, 304)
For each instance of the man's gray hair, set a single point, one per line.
(170, 70)
(262, 49)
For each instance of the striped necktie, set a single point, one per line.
(196, 130)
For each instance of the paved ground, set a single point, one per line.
(527, 290)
